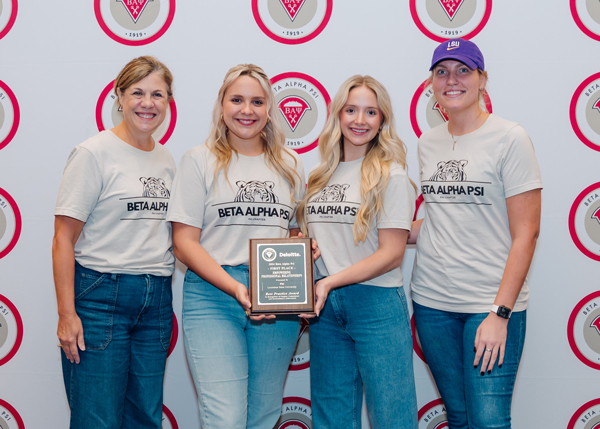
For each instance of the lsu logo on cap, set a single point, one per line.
(453, 44)
(108, 115)
(583, 330)
(584, 111)
(425, 111)
(8, 15)
(587, 416)
(441, 20)
(134, 22)
(586, 15)
(292, 21)
(303, 104)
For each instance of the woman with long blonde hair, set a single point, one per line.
(238, 363)
(359, 207)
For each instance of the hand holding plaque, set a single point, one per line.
(281, 276)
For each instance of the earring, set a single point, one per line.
(120, 109)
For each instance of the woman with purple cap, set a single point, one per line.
(481, 183)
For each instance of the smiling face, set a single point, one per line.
(360, 120)
(245, 112)
(456, 86)
(144, 105)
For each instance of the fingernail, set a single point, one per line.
(475, 366)
(500, 366)
(474, 349)
(489, 371)
(482, 372)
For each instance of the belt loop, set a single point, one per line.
(114, 277)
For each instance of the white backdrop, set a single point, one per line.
(57, 59)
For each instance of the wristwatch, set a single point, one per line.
(501, 311)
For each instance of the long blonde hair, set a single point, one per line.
(272, 134)
(385, 149)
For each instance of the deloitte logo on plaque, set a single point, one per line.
(425, 111)
(584, 330)
(433, 416)
(295, 414)
(447, 19)
(9, 114)
(292, 21)
(108, 115)
(584, 111)
(134, 22)
(584, 221)
(9, 417)
(302, 103)
(586, 417)
(269, 254)
(8, 15)
(586, 14)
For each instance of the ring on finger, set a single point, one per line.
(488, 350)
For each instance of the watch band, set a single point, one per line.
(501, 311)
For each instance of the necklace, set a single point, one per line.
(454, 140)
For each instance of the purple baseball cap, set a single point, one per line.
(461, 50)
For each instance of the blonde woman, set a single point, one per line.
(238, 363)
(359, 207)
(113, 262)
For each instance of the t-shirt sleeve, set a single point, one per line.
(80, 187)
(299, 191)
(399, 203)
(186, 204)
(519, 168)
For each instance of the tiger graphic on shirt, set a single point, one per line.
(332, 193)
(451, 171)
(255, 191)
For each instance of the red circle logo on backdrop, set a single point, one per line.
(448, 19)
(425, 111)
(9, 115)
(9, 417)
(302, 103)
(134, 22)
(11, 330)
(10, 223)
(292, 21)
(301, 359)
(108, 115)
(584, 221)
(584, 330)
(174, 336)
(8, 15)
(587, 17)
(587, 416)
(584, 111)
(295, 414)
(433, 416)
(168, 419)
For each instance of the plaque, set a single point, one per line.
(281, 276)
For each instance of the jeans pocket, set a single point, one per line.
(402, 297)
(95, 301)
(166, 313)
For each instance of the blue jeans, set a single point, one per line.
(362, 338)
(238, 365)
(472, 401)
(127, 323)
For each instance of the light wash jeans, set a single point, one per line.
(127, 324)
(472, 400)
(363, 338)
(238, 365)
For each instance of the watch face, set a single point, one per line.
(503, 312)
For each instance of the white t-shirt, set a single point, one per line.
(122, 195)
(331, 214)
(254, 203)
(465, 238)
